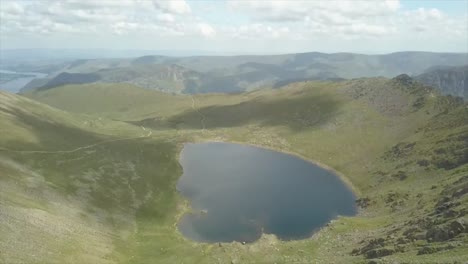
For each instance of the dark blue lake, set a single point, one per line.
(237, 192)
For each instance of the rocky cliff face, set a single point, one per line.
(448, 80)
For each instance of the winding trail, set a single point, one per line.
(79, 148)
(203, 117)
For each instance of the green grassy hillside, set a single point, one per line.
(104, 190)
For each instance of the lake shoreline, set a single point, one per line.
(16, 84)
(185, 204)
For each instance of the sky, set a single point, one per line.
(244, 26)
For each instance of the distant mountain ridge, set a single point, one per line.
(448, 80)
(230, 74)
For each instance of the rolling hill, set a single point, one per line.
(232, 74)
(95, 181)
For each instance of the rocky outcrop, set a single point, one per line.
(404, 79)
(448, 231)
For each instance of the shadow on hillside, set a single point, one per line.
(50, 135)
(301, 111)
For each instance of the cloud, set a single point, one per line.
(281, 11)
(241, 23)
(427, 14)
(173, 6)
(357, 19)
(165, 17)
(206, 30)
(346, 19)
(12, 8)
(86, 17)
(257, 31)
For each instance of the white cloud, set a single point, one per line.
(427, 14)
(165, 17)
(373, 30)
(237, 24)
(281, 10)
(257, 31)
(393, 4)
(12, 8)
(86, 17)
(357, 19)
(206, 30)
(173, 6)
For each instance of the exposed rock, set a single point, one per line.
(404, 79)
(400, 150)
(419, 102)
(412, 232)
(437, 234)
(379, 252)
(458, 226)
(372, 245)
(446, 206)
(427, 250)
(460, 192)
(401, 175)
(451, 213)
(433, 249)
(363, 202)
(402, 241)
(446, 232)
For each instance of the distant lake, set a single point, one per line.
(237, 192)
(14, 86)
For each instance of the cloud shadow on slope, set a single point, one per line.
(297, 112)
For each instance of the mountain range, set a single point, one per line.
(232, 74)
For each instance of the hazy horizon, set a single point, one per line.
(102, 53)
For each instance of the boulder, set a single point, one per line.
(427, 250)
(437, 234)
(458, 226)
(379, 252)
(446, 232)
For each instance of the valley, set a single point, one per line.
(101, 162)
(234, 132)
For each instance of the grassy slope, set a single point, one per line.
(125, 190)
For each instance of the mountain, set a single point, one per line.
(168, 78)
(448, 80)
(96, 180)
(207, 74)
(10, 57)
(70, 78)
